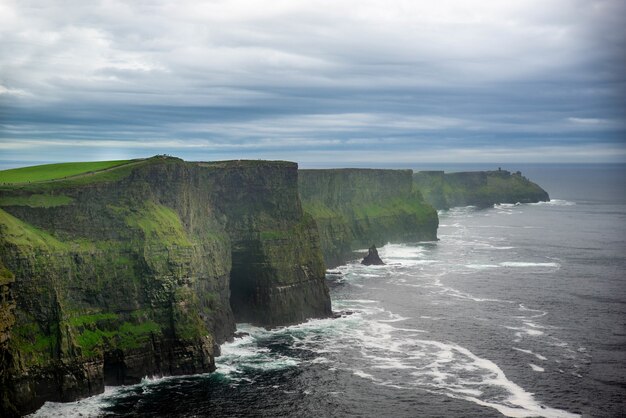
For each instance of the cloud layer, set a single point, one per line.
(316, 81)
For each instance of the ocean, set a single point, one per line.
(517, 310)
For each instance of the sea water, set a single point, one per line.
(517, 310)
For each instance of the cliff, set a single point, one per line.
(478, 188)
(357, 208)
(143, 269)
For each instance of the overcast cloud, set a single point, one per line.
(316, 81)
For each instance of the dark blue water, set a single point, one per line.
(517, 310)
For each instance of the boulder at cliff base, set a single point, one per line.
(372, 258)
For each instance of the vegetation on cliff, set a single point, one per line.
(478, 188)
(55, 171)
(114, 274)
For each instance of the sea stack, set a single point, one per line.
(372, 258)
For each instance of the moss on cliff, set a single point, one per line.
(126, 272)
(480, 188)
(110, 279)
(355, 208)
(25, 236)
(36, 200)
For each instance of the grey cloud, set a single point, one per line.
(320, 75)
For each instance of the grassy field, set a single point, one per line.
(54, 171)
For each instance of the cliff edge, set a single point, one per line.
(477, 188)
(143, 269)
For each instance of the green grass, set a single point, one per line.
(274, 235)
(319, 211)
(6, 276)
(32, 343)
(55, 171)
(36, 200)
(125, 336)
(81, 320)
(159, 224)
(24, 235)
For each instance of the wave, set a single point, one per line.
(399, 360)
(528, 264)
(248, 353)
(397, 357)
(88, 407)
(401, 251)
(96, 405)
(481, 266)
(539, 356)
(555, 202)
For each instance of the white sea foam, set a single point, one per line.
(244, 354)
(538, 313)
(364, 375)
(481, 244)
(481, 266)
(95, 405)
(402, 255)
(463, 295)
(528, 264)
(555, 202)
(396, 357)
(89, 407)
(528, 331)
(536, 368)
(539, 356)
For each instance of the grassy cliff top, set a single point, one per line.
(49, 177)
(48, 172)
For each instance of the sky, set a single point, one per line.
(320, 82)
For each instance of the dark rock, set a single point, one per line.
(341, 314)
(240, 334)
(372, 258)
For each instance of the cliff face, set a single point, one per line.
(112, 276)
(277, 275)
(479, 188)
(357, 208)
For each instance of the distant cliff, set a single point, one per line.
(357, 208)
(143, 269)
(477, 188)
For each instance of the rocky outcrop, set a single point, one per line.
(354, 208)
(372, 258)
(112, 276)
(478, 188)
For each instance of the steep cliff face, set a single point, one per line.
(357, 208)
(115, 275)
(277, 272)
(479, 188)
